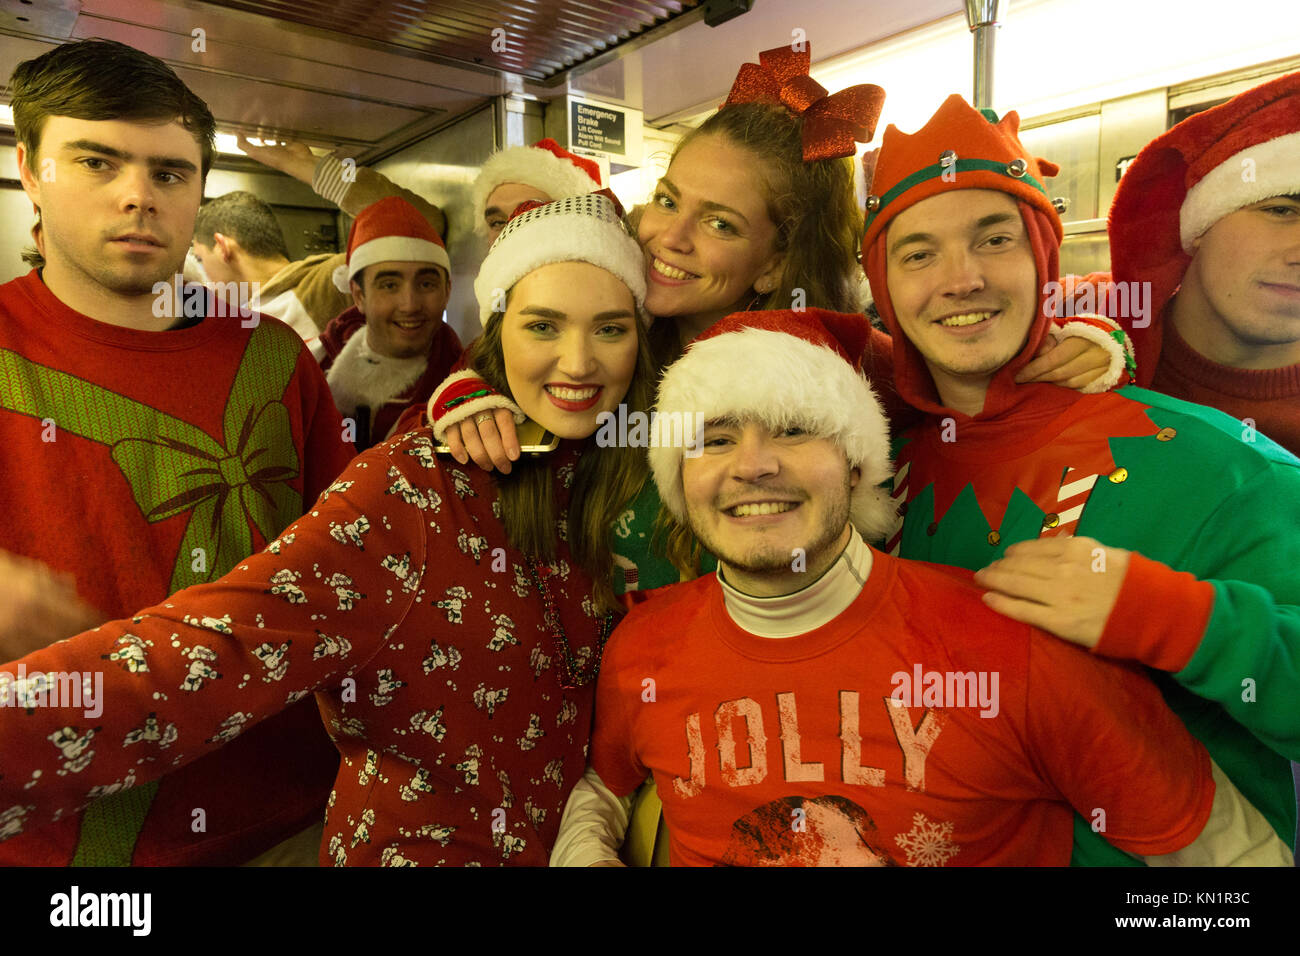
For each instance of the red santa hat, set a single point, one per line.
(1183, 182)
(586, 228)
(779, 368)
(545, 165)
(391, 230)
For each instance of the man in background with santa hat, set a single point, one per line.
(542, 172)
(961, 249)
(392, 348)
(808, 634)
(1209, 215)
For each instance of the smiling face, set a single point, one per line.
(963, 284)
(117, 200)
(707, 236)
(503, 201)
(1239, 303)
(403, 304)
(755, 495)
(569, 339)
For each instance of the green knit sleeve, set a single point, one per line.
(1249, 657)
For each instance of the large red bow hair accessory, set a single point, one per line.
(831, 124)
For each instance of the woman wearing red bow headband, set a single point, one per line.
(757, 210)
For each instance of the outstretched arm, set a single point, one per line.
(134, 699)
(350, 187)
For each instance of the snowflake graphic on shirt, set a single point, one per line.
(928, 843)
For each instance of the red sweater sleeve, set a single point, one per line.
(1170, 638)
(1142, 778)
(185, 676)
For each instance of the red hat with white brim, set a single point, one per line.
(391, 230)
(546, 166)
(1208, 166)
(780, 368)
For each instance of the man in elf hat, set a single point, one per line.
(915, 725)
(392, 347)
(961, 249)
(1209, 215)
(542, 172)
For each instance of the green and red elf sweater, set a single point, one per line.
(1211, 600)
(399, 601)
(142, 463)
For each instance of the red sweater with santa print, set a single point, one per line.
(398, 599)
(853, 744)
(141, 463)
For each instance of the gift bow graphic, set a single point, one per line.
(173, 466)
(831, 124)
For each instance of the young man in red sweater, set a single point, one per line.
(154, 441)
(391, 348)
(1209, 215)
(817, 702)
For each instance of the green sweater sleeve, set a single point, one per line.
(1247, 656)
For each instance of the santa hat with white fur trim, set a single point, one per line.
(1183, 182)
(391, 230)
(545, 165)
(780, 368)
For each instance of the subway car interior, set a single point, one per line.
(193, 510)
(425, 93)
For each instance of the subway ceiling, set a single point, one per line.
(373, 75)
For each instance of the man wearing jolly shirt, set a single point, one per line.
(147, 450)
(775, 702)
(1186, 544)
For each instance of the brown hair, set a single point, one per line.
(819, 228)
(104, 80)
(604, 482)
(812, 204)
(244, 218)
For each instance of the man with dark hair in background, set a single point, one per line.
(238, 240)
(188, 442)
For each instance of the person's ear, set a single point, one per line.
(855, 475)
(769, 280)
(358, 297)
(26, 176)
(224, 246)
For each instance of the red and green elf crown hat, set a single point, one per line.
(959, 148)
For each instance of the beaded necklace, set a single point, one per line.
(572, 673)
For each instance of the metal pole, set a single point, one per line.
(983, 19)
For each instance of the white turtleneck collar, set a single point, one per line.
(807, 609)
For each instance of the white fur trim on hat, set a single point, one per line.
(583, 228)
(1117, 353)
(397, 249)
(779, 380)
(529, 166)
(1257, 173)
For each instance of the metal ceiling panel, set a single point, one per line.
(535, 39)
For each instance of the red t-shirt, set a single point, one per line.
(141, 463)
(795, 751)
